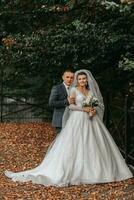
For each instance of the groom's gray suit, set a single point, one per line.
(58, 100)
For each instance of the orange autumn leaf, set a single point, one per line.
(23, 147)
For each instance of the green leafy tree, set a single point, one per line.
(38, 41)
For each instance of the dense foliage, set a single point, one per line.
(39, 39)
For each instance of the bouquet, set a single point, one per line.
(91, 101)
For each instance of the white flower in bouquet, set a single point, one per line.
(91, 101)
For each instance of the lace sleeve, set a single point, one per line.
(75, 107)
(72, 92)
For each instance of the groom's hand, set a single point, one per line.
(71, 99)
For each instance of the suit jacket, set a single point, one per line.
(58, 100)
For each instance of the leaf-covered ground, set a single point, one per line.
(23, 146)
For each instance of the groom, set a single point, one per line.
(59, 99)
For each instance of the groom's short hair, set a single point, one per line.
(67, 70)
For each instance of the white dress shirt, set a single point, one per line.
(67, 88)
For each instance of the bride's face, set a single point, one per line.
(82, 80)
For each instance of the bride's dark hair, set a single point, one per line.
(83, 73)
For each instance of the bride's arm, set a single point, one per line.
(78, 108)
(75, 107)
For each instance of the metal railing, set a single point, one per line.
(121, 127)
(18, 109)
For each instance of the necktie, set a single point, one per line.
(68, 90)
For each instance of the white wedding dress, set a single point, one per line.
(84, 152)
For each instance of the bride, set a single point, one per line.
(84, 151)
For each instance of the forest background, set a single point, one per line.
(39, 39)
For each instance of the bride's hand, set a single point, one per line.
(93, 112)
(90, 110)
(87, 109)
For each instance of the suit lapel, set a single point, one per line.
(64, 90)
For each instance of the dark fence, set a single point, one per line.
(119, 120)
(20, 109)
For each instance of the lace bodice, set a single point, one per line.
(79, 98)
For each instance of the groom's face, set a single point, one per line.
(68, 78)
